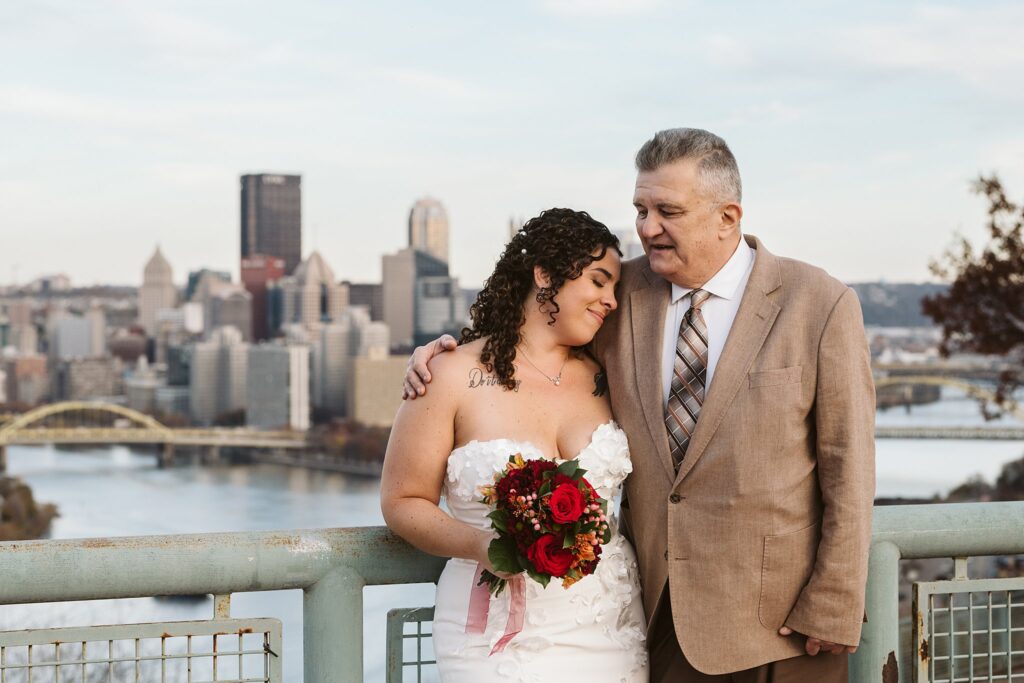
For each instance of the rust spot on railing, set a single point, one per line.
(891, 670)
(922, 652)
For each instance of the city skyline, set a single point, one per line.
(854, 126)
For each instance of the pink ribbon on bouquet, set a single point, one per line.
(480, 605)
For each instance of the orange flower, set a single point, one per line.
(571, 578)
(489, 494)
(583, 550)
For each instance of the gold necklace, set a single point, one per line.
(557, 379)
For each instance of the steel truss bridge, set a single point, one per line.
(79, 422)
(977, 386)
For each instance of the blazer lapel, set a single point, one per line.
(754, 320)
(647, 308)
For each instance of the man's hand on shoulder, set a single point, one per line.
(816, 645)
(417, 375)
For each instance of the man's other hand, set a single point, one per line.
(417, 376)
(816, 645)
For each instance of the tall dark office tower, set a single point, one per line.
(272, 217)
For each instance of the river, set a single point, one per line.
(115, 491)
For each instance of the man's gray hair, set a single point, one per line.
(717, 171)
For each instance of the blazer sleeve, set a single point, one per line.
(831, 605)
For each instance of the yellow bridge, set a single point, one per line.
(972, 389)
(79, 422)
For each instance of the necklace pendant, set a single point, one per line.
(557, 380)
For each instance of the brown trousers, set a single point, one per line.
(669, 665)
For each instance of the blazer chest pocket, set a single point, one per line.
(785, 569)
(775, 378)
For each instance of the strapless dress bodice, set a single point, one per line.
(473, 465)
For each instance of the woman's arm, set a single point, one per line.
(414, 470)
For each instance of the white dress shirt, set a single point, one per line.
(719, 311)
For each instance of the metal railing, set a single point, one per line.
(955, 531)
(332, 566)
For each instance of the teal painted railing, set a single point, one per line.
(332, 566)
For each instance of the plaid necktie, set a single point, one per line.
(688, 378)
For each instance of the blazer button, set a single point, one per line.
(675, 498)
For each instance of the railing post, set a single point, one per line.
(3, 458)
(877, 658)
(332, 628)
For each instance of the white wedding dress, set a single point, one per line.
(592, 631)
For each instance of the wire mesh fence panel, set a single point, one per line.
(217, 651)
(967, 630)
(410, 646)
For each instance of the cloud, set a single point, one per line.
(62, 104)
(578, 8)
(980, 46)
(429, 82)
(772, 112)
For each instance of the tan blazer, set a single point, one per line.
(769, 519)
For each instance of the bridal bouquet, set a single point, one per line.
(550, 522)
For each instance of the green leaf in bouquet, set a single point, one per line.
(545, 488)
(542, 579)
(503, 556)
(569, 468)
(569, 540)
(499, 520)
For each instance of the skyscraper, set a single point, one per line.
(401, 271)
(257, 271)
(339, 344)
(278, 387)
(428, 228)
(272, 217)
(311, 296)
(157, 291)
(218, 373)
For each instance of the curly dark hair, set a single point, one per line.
(561, 241)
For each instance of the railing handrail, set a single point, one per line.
(140, 566)
(333, 565)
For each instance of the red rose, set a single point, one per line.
(549, 557)
(566, 503)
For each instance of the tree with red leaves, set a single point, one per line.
(983, 310)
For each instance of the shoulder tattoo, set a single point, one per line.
(477, 378)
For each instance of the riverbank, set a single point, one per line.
(21, 517)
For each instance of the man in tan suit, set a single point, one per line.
(743, 382)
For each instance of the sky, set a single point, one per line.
(857, 126)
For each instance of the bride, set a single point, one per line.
(520, 382)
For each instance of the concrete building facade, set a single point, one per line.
(334, 353)
(312, 297)
(428, 228)
(374, 400)
(401, 270)
(80, 379)
(157, 291)
(278, 387)
(27, 379)
(258, 271)
(218, 373)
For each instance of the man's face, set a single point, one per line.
(678, 224)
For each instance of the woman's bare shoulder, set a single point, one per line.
(451, 368)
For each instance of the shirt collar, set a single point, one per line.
(726, 282)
